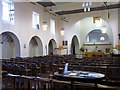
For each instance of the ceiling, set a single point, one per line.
(63, 8)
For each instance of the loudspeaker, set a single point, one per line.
(64, 43)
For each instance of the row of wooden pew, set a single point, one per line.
(44, 66)
(17, 82)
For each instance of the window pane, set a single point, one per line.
(35, 20)
(52, 26)
(5, 11)
(8, 11)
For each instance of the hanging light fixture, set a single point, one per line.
(62, 26)
(86, 6)
(104, 29)
(105, 3)
(62, 31)
(44, 26)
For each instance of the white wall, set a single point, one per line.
(23, 26)
(0, 30)
(119, 24)
(119, 27)
(113, 22)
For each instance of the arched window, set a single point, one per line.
(97, 36)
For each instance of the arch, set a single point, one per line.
(10, 45)
(87, 25)
(51, 47)
(96, 35)
(35, 47)
(97, 41)
(74, 45)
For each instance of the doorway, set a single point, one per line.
(51, 47)
(74, 46)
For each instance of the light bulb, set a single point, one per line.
(88, 8)
(85, 9)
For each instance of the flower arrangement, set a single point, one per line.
(82, 49)
(60, 47)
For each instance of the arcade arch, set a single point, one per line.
(10, 45)
(35, 47)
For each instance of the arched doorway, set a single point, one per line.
(35, 47)
(74, 46)
(51, 47)
(10, 45)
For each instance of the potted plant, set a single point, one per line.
(82, 49)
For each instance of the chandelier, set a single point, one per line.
(86, 6)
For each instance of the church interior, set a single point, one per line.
(54, 45)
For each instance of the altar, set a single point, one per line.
(90, 54)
